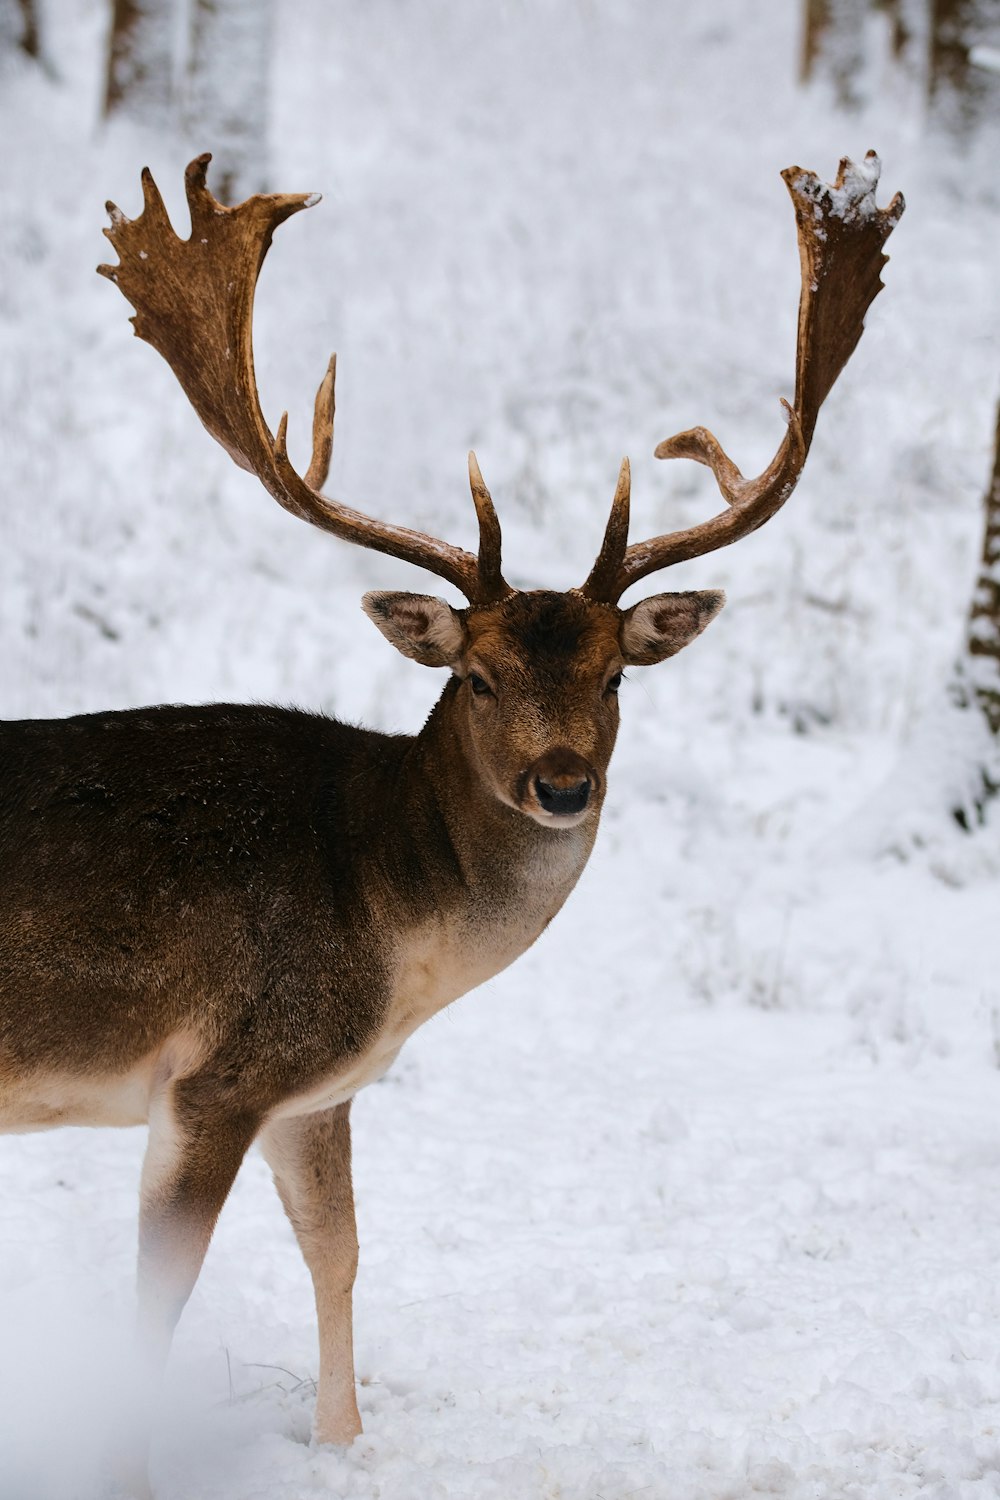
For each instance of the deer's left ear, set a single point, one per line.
(659, 627)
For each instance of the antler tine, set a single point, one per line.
(323, 414)
(612, 554)
(194, 303)
(841, 233)
(488, 562)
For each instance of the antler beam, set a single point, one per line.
(841, 233)
(194, 303)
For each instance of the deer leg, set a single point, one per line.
(310, 1157)
(194, 1152)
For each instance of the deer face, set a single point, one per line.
(538, 676)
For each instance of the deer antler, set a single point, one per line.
(194, 304)
(841, 233)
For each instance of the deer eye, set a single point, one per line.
(614, 683)
(479, 685)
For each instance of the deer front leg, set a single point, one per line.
(195, 1147)
(310, 1157)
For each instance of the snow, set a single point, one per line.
(698, 1200)
(852, 199)
(986, 57)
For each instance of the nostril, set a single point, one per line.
(562, 800)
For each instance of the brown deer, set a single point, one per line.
(226, 920)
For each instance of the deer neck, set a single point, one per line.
(471, 881)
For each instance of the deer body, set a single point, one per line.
(227, 920)
(258, 894)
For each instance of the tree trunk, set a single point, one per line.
(975, 687)
(228, 98)
(933, 41)
(983, 640)
(141, 60)
(961, 96)
(833, 45)
(19, 28)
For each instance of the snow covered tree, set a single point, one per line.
(228, 91)
(976, 686)
(202, 68)
(139, 81)
(960, 93)
(19, 27)
(935, 42)
(833, 44)
(984, 613)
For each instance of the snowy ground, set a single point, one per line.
(700, 1199)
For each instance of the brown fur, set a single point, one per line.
(226, 920)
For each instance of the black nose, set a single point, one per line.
(562, 799)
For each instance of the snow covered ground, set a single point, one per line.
(699, 1200)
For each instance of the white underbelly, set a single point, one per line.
(44, 1099)
(42, 1103)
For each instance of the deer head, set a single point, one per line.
(535, 674)
(536, 678)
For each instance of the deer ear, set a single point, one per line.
(659, 627)
(424, 628)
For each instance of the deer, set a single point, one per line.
(225, 920)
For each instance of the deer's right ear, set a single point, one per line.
(424, 628)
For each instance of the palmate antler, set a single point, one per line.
(841, 233)
(194, 304)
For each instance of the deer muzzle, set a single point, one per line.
(560, 786)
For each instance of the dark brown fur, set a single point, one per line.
(192, 865)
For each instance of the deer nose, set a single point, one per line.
(562, 799)
(562, 781)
